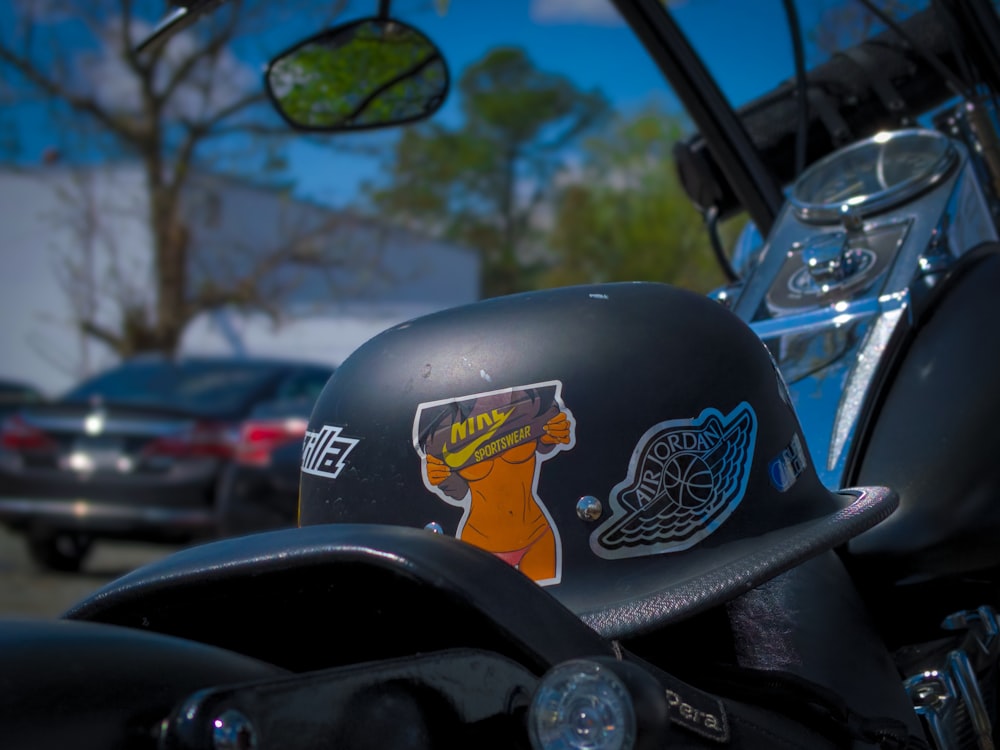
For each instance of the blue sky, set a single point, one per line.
(746, 40)
(585, 40)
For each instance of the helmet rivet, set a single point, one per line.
(589, 508)
(233, 731)
(434, 527)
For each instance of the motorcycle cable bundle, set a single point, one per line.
(914, 58)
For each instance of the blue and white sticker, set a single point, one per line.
(324, 453)
(685, 478)
(788, 466)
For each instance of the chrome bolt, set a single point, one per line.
(231, 730)
(928, 691)
(851, 218)
(589, 508)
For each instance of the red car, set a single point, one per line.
(138, 451)
(259, 489)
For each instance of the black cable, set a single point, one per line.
(801, 84)
(957, 85)
(711, 215)
(950, 24)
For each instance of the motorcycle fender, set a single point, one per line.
(933, 439)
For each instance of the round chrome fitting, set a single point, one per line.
(589, 508)
(231, 730)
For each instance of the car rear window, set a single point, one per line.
(204, 387)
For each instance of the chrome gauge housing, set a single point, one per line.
(873, 175)
(832, 287)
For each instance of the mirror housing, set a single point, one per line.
(367, 74)
(183, 15)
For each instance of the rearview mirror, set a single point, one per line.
(368, 74)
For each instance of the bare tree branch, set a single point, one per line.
(84, 104)
(172, 109)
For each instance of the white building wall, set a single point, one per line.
(385, 276)
(42, 238)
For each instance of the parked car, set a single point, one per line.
(135, 452)
(260, 486)
(14, 394)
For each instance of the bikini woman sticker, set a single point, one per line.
(483, 453)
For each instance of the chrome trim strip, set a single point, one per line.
(812, 320)
(141, 427)
(78, 509)
(858, 384)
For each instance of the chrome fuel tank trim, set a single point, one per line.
(829, 363)
(830, 345)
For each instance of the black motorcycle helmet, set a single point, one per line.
(631, 447)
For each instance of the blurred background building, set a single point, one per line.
(76, 245)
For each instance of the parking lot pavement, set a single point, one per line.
(26, 591)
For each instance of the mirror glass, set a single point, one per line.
(368, 74)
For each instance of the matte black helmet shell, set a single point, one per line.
(630, 447)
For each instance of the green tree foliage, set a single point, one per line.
(625, 217)
(481, 184)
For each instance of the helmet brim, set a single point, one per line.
(723, 573)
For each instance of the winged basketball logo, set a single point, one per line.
(685, 478)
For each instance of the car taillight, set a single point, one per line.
(16, 434)
(201, 440)
(260, 437)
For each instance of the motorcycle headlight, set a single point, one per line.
(582, 705)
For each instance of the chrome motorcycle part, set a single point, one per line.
(955, 694)
(851, 219)
(829, 267)
(726, 295)
(231, 730)
(589, 508)
(582, 705)
(434, 527)
(831, 261)
(967, 683)
(951, 704)
(933, 696)
(981, 622)
(974, 666)
(936, 258)
(833, 348)
(975, 124)
(873, 175)
(859, 381)
(746, 249)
